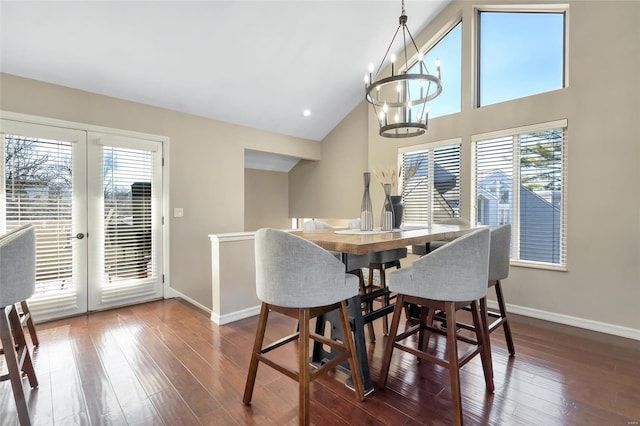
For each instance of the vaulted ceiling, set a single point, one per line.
(254, 63)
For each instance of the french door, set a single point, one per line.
(95, 201)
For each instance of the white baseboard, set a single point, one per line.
(602, 327)
(175, 293)
(218, 319)
(235, 316)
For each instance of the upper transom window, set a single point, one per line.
(448, 50)
(519, 54)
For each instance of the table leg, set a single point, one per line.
(320, 356)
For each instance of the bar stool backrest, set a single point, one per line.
(457, 271)
(17, 265)
(296, 273)
(499, 253)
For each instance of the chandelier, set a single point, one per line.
(400, 99)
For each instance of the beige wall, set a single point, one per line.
(333, 187)
(266, 200)
(206, 165)
(602, 106)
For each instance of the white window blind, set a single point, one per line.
(430, 179)
(38, 189)
(127, 262)
(520, 179)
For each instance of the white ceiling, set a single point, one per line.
(254, 63)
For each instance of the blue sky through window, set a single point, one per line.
(449, 51)
(521, 54)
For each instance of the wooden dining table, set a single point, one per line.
(355, 242)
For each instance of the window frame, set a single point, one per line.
(515, 220)
(506, 8)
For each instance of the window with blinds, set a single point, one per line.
(430, 177)
(37, 189)
(127, 263)
(520, 179)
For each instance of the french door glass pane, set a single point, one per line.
(38, 189)
(126, 260)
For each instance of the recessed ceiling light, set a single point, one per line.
(306, 112)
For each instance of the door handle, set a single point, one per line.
(79, 235)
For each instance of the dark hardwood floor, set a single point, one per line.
(167, 363)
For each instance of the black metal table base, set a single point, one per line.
(357, 322)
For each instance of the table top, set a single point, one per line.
(363, 243)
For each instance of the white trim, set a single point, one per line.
(538, 265)
(602, 327)
(548, 8)
(120, 141)
(166, 220)
(562, 123)
(233, 236)
(176, 294)
(429, 145)
(235, 316)
(171, 293)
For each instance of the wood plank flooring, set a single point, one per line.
(166, 363)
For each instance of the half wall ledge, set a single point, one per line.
(233, 277)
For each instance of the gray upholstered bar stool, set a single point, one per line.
(17, 284)
(447, 279)
(301, 280)
(499, 254)
(422, 249)
(353, 263)
(498, 271)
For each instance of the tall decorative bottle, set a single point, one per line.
(366, 211)
(386, 218)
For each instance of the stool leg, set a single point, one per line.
(391, 339)
(454, 367)
(24, 356)
(304, 373)
(369, 289)
(482, 336)
(354, 365)
(257, 348)
(30, 325)
(505, 322)
(424, 320)
(383, 284)
(15, 375)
